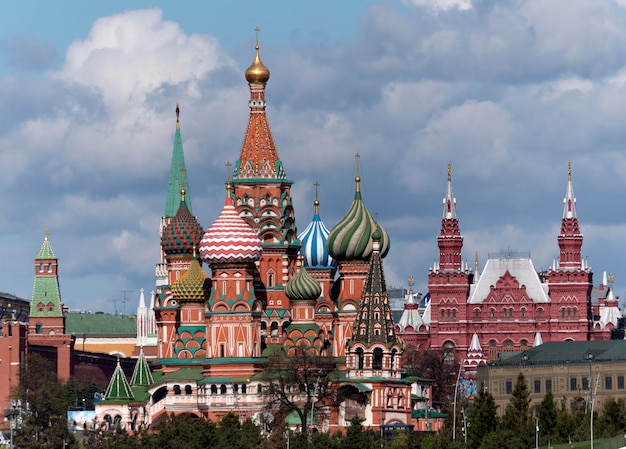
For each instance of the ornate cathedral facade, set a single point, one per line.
(271, 290)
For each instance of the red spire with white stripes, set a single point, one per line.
(570, 239)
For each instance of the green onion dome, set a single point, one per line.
(302, 287)
(352, 239)
(194, 285)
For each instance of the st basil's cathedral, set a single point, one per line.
(273, 290)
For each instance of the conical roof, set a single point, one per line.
(314, 239)
(119, 388)
(177, 177)
(302, 287)
(183, 233)
(230, 239)
(194, 285)
(351, 239)
(142, 375)
(46, 250)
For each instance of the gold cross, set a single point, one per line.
(357, 156)
(316, 184)
(228, 165)
(256, 30)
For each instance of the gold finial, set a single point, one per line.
(449, 172)
(357, 179)
(194, 251)
(182, 184)
(476, 263)
(47, 234)
(316, 203)
(257, 73)
(177, 116)
(411, 281)
(228, 165)
(610, 278)
(569, 170)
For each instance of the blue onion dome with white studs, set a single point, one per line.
(183, 233)
(314, 238)
(302, 287)
(352, 239)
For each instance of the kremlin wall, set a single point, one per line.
(204, 341)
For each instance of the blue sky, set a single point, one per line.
(507, 92)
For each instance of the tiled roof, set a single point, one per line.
(567, 352)
(99, 324)
(177, 180)
(46, 291)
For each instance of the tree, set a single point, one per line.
(43, 406)
(613, 419)
(433, 364)
(299, 381)
(482, 417)
(517, 413)
(547, 415)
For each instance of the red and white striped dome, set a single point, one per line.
(230, 239)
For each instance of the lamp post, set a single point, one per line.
(537, 432)
(456, 389)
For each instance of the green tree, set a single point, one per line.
(503, 438)
(433, 364)
(300, 382)
(182, 431)
(565, 423)
(43, 399)
(517, 413)
(547, 417)
(357, 437)
(612, 421)
(482, 417)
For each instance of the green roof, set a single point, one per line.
(177, 179)
(119, 388)
(183, 374)
(559, 352)
(142, 374)
(46, 291)
(431, 414)
(99, 324)
(46, 250)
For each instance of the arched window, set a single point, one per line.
(508, 346)
(448, 349)
(493, 351)
(244, 389)
(187, 389)
(359, 358)
(39, 328)
(477, 314)
(222, 389)
(235, 388)
(213, 389)
(377, 361)
(176, 389)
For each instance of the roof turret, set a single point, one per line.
(194, 285)
(177, 170)
(302, 287)
(142, 376)
(183, 234)
(230, 239)
(351, 238)
(314, 238)
(119, 388)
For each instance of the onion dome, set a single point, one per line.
(230, 239)
(182, 235)
(257, 73)
(314, 238)
(302, 287)
(351, 239)
(194, 285)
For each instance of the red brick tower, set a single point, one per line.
(449, 283)
(263, 199)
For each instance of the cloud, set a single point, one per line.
(441, 5)
(28, 52)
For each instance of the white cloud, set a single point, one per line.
(441, 5)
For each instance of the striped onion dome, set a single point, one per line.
(313, 240)
(183, 233)
(351, 239)
(194, 285)
(230, 239)
(302, 287)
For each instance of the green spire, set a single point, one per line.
(118, 388)
(142, 374)
(46, 250)
(46, 299)
(177, 180)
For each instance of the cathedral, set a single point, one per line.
(232, 297)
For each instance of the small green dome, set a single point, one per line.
(302, 287)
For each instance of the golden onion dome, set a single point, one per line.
(257, 73)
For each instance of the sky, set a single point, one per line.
(507, 92)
